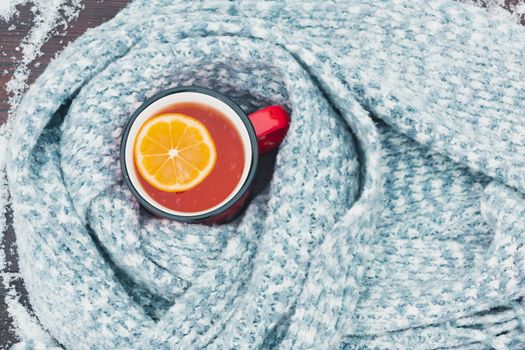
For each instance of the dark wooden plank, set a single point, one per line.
(94, 13)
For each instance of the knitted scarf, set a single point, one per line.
(394, 217)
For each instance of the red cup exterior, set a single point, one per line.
(271, 125)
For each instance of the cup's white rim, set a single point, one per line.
(161, 101)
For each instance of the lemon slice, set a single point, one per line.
(174, 152)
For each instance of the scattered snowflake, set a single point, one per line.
(48, 16)
(4, 132)
(25, 324)
(515, 8)
(8, 8)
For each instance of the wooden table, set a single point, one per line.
(94, 13)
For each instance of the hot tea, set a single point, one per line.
(226, 172)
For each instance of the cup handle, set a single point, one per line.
(271, 125)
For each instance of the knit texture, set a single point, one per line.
(394, 218)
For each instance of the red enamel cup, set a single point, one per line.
(260, 132)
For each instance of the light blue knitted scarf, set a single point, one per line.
(395, 216)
